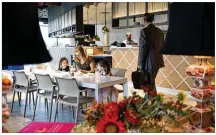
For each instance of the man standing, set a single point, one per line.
(150, 42)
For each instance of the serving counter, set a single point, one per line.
(172, 76)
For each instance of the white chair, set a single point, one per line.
(118, 72)
(22, 85)
(46, 85)
(71, 92)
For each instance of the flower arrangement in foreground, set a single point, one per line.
(132, 114)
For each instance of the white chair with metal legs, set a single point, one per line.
(71, 92)
(22, 85)
(46, 89)
(118, 72)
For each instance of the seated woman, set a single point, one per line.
(84, 63)
(103, 69)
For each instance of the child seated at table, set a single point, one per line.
(63, 65)
(103, 69)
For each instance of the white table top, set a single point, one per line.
(85, 80)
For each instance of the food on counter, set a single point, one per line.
(200, 71)
(201, 94)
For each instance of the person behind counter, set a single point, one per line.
(129, 40)
(84, 63)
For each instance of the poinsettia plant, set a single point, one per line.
(134, 113)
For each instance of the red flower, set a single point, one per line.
(109, 125)
(111, 109)
(146, 88)
(131, 116)
(123, 103)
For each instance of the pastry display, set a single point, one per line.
(200, 70)
(200, 116)
(201, 94)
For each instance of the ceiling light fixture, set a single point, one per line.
(105, 28)
(87, 37)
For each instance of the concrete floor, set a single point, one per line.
(16, 121)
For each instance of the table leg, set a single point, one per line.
(125, 90)
(97, 94)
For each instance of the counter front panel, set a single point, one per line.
(172, 76)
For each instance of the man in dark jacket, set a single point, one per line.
(150, 42)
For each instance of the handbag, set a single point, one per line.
(142, 79)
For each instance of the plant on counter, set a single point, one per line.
(135, 113)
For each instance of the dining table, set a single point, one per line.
(91, 81)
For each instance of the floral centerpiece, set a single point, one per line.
(134, 114)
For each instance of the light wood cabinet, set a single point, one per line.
(119, 9)
(136, 8)
(157, 6)
(130, 14)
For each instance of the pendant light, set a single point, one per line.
(105, 28)
(96, 37)
(87, 37)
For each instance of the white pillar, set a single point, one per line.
(106, 39)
